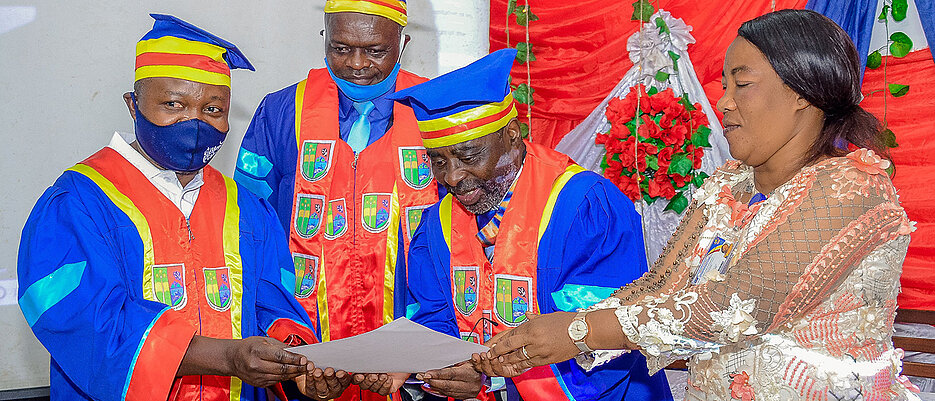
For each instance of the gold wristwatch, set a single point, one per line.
(578, 331)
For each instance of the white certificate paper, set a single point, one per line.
(400, 346)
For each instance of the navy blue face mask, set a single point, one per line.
(186, 146)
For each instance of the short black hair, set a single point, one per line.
(815, 58)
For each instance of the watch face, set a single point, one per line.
(577, 330)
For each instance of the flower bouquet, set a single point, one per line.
(654, 146)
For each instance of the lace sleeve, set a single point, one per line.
(827, 221)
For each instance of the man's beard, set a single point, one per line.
(492, 191)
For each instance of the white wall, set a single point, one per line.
(64, 66)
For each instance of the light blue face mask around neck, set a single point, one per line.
(363, 93)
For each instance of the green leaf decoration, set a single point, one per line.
(687, 103)
(886, 10)
(899, 9)
(899, 90)
(675, 60)
(524, 52)
(652, 162)
(679, 165)
(511, 7)
(889, 138)
(524, 15)
(874, 60)
(700, 137)
(524, 130)
(661, 24)
(661, 76)
(642, 10)
(900, 45)
(652, 90)
(647, 198)
(604, 164)
(678, 203)
(523, 94)
(699, 179)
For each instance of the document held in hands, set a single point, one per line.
(400, 346)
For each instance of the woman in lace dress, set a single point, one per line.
(781, 281)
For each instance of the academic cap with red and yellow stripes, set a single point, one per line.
(177, 49)
(464, 104)
(395, 10)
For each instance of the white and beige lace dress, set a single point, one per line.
(792, 298)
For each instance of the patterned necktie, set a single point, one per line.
(360, 131)
(488, 234)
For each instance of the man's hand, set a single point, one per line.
(258, 361)
(460, 381)
(323, 384)
(380, 383)
(263, 362)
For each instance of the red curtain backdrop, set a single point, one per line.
(581, 54)
(581, 51)
(910, 118)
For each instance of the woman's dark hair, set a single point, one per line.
(815, 58)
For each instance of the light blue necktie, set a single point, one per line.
(360, 131)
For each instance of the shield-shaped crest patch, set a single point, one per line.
(309, 212)
(218, 288)
(375, 211)
(512, 298)
(316, 159)
(415, 166)
(306, 274)
(413, 218)
(336, 219)
(470, 337)
(464, 280)
(169, 285)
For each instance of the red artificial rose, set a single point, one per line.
(626, 152)
(675, 136)
(660, 186)
(613, 170)
(698, 117)
(629, 187)
(648, 128)
(619, 131)
(695, 154)
(680, 180)
(620, 111)
(665, 157)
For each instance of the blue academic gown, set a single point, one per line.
(80, 285)
(268, 154)
(592, 246)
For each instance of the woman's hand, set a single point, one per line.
(542, 340)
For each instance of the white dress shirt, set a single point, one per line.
(164, 180)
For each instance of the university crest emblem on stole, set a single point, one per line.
(218, 288)
(415, 166)
(464, 280)
(375, 211)
(512, 298)
(306, 274)
(309, 212)
(413, 218)
(470, 337)
(169, 285)
(336, 222)
(316, 159)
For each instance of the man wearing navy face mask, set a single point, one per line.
(346, 171)
(149, 275)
